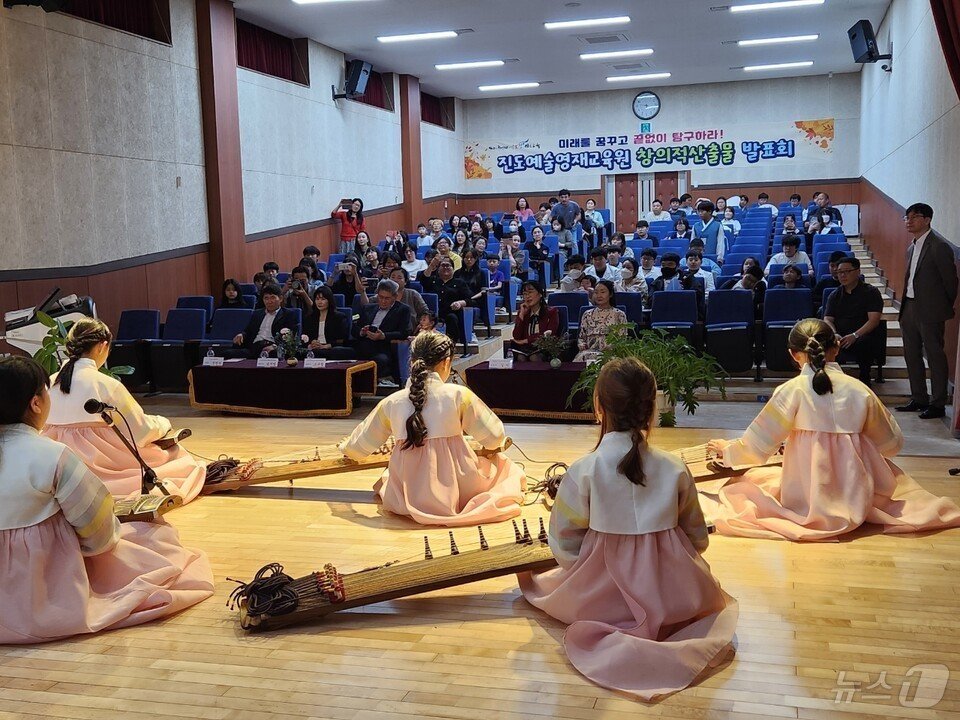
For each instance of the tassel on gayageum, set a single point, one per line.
(269, 593)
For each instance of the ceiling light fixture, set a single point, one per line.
(775, 5)
(508, 86)
(417, 36)
(591, 22)
(466, 65)
(615, 54)
(778, 66)
(631, 78)
(774, 41)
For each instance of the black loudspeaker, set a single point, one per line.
(863, 42)
(47, 5)
(355, 82)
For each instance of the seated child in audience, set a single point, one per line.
(68, 566)
(230, 296)
(97, 445)
(645, 615)
(573, 268)
(681, 230)
(799, 212)
(618, 242)
(791, 278)
(566, 243)
(587, 284)
(631, 280)
(271, 270)
(427, 322)
(424, 239)
(730, 224)
(706, 263)
(790, 255)
(838, 440)
(648, 257)
(763, 201)
(642, 232)
(675, 209)
(496, 274)
(752, 280)
(694, 260)
(433, 476)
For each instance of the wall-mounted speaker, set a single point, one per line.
(355, 80)
(863, 42)
(47, 5)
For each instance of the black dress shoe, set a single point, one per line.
(932, 412)
(911, 407)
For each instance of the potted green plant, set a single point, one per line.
(679, 369)
(291, 346)
(52, 348)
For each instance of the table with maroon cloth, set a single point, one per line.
(242, 387)
(530, 390)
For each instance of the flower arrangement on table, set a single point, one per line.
(291, 346)
(552, 346)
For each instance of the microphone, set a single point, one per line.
(95, 407)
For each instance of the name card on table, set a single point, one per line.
(501, 363)
(315, 363)
(267, 362)
(213, 362)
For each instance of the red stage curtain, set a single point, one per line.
(946, 14)
(134, 16)
(264, 51)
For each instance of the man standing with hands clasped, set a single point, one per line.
(930, 290)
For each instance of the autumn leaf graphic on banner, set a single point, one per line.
(817, 132)
(473, 167)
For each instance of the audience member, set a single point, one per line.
(597, 321)
(720, 207)
(380, 323)
(523, 212)
(347, 281)
(675, 209)
(930, 291)
(350, 215)
(710, 230)
(513, 227)
(361, 244)
(296, 291)
(264, 325)
(370, 268)
(230, 296)
(424, 239)
(446, 253)
(534, 318)
(537, 252)
(460, 243)
(427, 322)
(743, 202)
(618, 241)
(824, 205)
(326, 328)
(389, 262)
(648, 269)
(573, 271)
(658, 214)
(790, 224)
(568, 212)
(599, 267)
(790, 254)
(271, 270)
(259, 280)
(706, 263)
(313, 253)
(542, 215)
(435, 225)
(396, 242)
(681, 230)
(796, 208)
(730, 224)
(587, 285)
(593, 226)
(411, 263)
(792, 278)
(642, 232)
(828, 225)
(763, 201)
(632, 281)
(831, 281)
(409, 297)
(472, 274)
(854, 312)
(694, 260)
(315, 276)
(453, 296)
(497, 277)
(512, 258)
(454, 224)
(686, 205)
(753, 281)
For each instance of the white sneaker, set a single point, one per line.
(387, 384)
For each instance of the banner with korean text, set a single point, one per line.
(651, 149)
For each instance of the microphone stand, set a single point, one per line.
(148, 478)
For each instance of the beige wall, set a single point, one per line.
(101, 150)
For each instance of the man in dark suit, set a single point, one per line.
(264, 325)
(930, 291)
(380, 324)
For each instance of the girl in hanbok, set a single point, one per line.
(434, 476)
(90, 438)
(836, 474)
(645, 614)
(68, 566)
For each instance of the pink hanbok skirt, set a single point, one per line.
(50, 591)
(830, 484)
(645, 615)
(445, 483)
(108, 459)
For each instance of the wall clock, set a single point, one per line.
(646, 105)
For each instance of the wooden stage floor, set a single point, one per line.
(869, 605)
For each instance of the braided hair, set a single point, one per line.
(84, 335)
(427, 350)
(814, 338)
(626, 395)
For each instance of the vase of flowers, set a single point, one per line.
(551, 347)
(291, 346)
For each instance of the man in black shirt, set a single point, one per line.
(854, 311)
(453, 296)
(829, 282)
